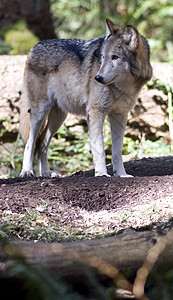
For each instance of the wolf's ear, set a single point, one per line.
(131, 37)
(111, 28)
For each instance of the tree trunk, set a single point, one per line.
(38, 17)
(35, 12)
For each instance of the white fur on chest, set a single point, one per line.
(67, 92)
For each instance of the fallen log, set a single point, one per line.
(107, 256)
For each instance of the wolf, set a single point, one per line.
(97, 78)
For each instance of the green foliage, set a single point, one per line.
(86, 19)
(76, 18)
(4, 49)
(11, 156)
(138, 149)
(70, 151)
(18, 39)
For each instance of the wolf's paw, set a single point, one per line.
(27, 174)
(50, 174)
(122, 175)
(97, 174)
(126, 175)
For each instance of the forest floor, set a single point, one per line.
(82, 206)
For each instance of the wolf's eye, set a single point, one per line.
(114, 57)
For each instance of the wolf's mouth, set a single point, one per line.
(111, 81)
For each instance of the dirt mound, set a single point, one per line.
(85, 202)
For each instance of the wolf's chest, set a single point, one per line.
(68, 94)
(124, 103)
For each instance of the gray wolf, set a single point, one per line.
(97, 78)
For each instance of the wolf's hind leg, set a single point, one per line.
(37, 118)
(55, 120)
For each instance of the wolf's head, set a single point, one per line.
(124, 56)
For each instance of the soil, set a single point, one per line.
(87, 202)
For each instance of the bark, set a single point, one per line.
(107, 256)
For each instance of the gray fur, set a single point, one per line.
(96, 78)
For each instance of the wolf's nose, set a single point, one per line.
(99, 78)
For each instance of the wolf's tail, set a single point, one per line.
(24, 124)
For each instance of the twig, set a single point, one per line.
(151, 259)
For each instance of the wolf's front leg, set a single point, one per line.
(27, 169)
(95, 125)
(118, 123)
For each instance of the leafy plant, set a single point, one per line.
(11, 158)
(138, 149)
(70, 151)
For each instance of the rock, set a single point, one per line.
(11, 78)
(149, 118)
